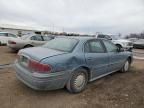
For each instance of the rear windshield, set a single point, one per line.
(24, 37)
(62, 44)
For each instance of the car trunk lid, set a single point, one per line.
(39, 53)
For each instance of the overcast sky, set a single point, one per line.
(82, 16)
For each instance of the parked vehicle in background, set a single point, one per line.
(118, 41)
(28, 41)
(70, 62)
(5, 36)
(139, 43)
(133, 39)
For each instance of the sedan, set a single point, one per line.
(5, 36)
(70, 62)
(28, 41)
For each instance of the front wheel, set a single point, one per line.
(126, 66)
(119, 46)
(78, 81)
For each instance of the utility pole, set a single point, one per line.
(63, 29)
(53, 27)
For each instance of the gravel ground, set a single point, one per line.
(119, 90)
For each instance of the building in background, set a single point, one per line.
(21, 30)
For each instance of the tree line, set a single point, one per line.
(136, 35)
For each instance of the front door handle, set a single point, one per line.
(89, 58)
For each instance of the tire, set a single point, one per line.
(28, 46)
(126, 66)
(78, 81)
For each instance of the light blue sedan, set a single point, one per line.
(70, 62)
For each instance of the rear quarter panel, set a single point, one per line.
(65, 62)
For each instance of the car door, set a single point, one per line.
(37, 40)
(117, 58)
(96, 58)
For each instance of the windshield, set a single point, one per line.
(62, 44)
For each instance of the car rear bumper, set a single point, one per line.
(41, 81)
(14, 47)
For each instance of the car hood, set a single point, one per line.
(122, 40)
(39, 53)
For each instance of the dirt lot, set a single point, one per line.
(119, 90)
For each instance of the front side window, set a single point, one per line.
(110, 46)
(62, 44)
(12, 35)
(94, 46)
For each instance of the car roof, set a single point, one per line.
(8, 33)
(76, 37)
(82, 38)
(4, 32)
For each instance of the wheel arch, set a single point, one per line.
(28, 45)
(129, 59)
(87, 69)
(117, 44)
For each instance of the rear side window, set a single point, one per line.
(4, 34)
(94, 46)
(101, 36)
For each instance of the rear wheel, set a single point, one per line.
(28, 46)
(78, 81)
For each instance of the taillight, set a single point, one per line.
(39, 67)
(11, 42)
